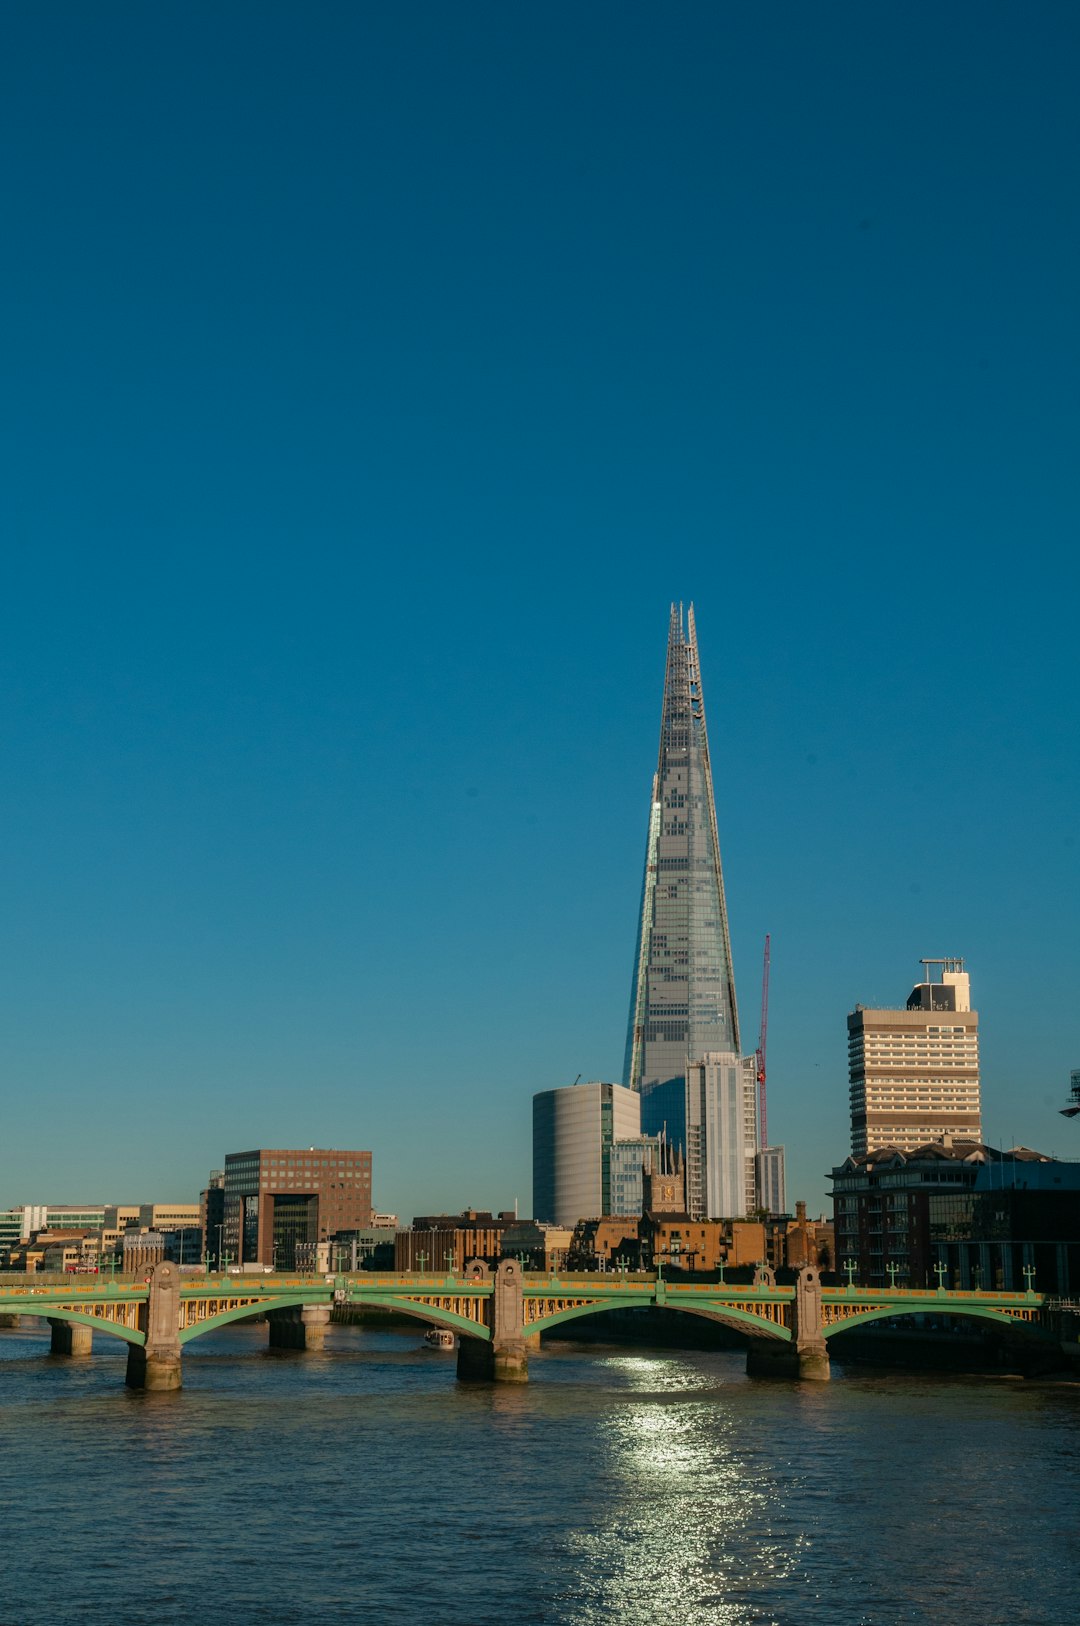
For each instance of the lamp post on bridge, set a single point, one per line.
(850, 1267)
(894, 1271)
(450, 1257)
(422, 1257)
(940, 1271)
(1029, 1278)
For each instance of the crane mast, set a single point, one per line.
(763, 1132)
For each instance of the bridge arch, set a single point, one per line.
(100, 1323)
(728, 1315)
(436, 1316)
(892, 1312)
(287, 1301)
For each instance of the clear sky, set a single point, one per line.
(373, 377)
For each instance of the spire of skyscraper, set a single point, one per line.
(682, 1003)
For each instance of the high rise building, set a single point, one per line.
(682, 1004)
(914, 1072)
(771, 1181)
(682, 1043)
(573, 1131)
(627, 1161)
(721, 1144)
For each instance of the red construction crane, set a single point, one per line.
(763, 1133)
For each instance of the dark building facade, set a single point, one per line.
(959, 1214)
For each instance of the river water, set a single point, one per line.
(619, 1486)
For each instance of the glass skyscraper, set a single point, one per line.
(682, 1005)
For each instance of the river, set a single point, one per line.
(624, 1487)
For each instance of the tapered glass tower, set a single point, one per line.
(682, 1005)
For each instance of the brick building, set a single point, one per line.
(280, 1204)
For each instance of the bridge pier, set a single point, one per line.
(156, 1363)
(70, 1338)
(300, 1326)
(505, 1359)
(807, 1356)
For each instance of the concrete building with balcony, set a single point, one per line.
(913, 1073)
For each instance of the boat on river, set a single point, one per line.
(439, 1338)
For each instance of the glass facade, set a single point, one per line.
(296, 1230)
(683, 999)
(625, 1162)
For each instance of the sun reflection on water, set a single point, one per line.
(682, 1512)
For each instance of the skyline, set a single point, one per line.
(366, 412)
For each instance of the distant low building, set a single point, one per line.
(539, 1246)
(369, 1248)
(141, 1249)
(444, 1242)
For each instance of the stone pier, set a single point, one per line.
(156, 1364)
(300, 1326)
(807, 1355)
(70, 1337)
(505, 1359)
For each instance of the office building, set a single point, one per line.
(573, 1131)
(281, 1204)
(212, 1217)
(960, 1214)
(627, 1160)
(682, 1043)
(771, 1181)
(914, 1072)
(682, 1002)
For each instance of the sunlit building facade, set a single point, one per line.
(914, 1072)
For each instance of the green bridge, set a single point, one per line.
(497, 1315)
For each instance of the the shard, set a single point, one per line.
(682, 1004)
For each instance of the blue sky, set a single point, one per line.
(373, 379)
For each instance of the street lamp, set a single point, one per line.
(850, 1267)
(894, 1271)
(940, 1271)
(1029, 1278)
(422, 1257)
